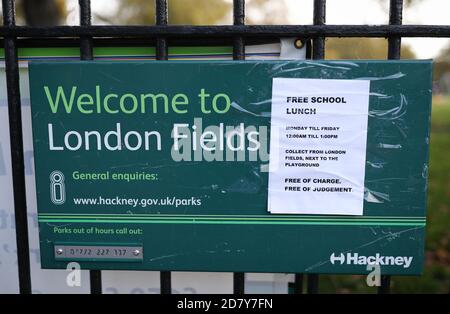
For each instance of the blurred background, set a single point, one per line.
(436, 278)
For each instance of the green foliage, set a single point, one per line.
(361, 48)
(197, 12)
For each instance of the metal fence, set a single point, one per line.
(160, 35)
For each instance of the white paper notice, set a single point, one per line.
(318, 146)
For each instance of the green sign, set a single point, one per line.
(168, 165)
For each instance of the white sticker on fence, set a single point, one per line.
(318, 146)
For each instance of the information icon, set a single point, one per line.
(57, 188)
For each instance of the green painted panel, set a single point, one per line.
(212, 215)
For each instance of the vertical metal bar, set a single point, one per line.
(17, 161)
(318, 53)
(86, 53)
(238, 54)
(313, 284)
(238, 283)
(162, 18)
(395, 18)
(394, 52)
(319, 19)
(298, 284)
(162, 53)
(238, 19)
(166, 282)
(308, 49)
(385, 287)
(95, 277)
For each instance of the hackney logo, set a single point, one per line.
(377, 259)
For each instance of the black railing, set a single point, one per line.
(17, 161)
(86, 36)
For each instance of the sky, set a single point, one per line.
(435, 12)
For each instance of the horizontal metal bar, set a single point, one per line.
(177, 31)
(62, 42)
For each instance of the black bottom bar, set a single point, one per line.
(385, 287)
(238, 283)
(166, 282)
(313, 284)
(96, 281)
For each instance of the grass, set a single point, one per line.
(436, 277)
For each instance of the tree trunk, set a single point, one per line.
(42, 12)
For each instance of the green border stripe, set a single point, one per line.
(195, 221)
(288, 216)
(230, 218)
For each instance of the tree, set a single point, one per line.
(361, 48)
(444, 55)
(441, 68)
(41, 12)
